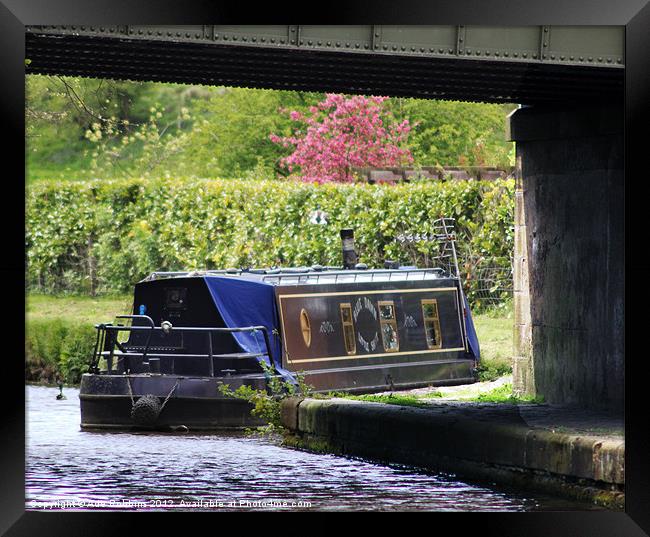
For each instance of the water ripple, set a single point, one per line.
(160, 471)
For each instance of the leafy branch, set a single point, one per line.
(267, 403)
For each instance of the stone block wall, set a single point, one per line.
(569, 255)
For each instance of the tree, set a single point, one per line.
(204, 131)
(453, 133)
(340, 133)
(69, 118)
(230, 136)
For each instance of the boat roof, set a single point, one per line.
(311, 275)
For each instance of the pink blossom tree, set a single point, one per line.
(340, 133)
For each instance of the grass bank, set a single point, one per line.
(501, 394)
(60, 335)
(494, 328)
(76, 309)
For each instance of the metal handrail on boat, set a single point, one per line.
(351, 276)
(326, 273)
(106, 342)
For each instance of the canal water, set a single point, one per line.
(67, 468)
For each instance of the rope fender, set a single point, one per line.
(147, 409)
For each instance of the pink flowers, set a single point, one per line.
(340, 133)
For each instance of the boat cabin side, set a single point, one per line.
(344, 331)
(357, 324)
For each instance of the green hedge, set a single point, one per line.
(57, 350)
(103, 236)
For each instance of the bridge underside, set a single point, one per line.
(569, 263)
(321, 70)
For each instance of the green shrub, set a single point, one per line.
(489, 370)
(37, 367)
(43, 342)
(57, 350)
(397, 399)
(103, 236)
(266, 404)
(76, 352)
(504, 394)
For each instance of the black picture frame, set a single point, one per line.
(634, 14)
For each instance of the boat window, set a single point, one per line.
(432, 323)
(388, 325)
(348, 328)
(305, 327)
(176, 298)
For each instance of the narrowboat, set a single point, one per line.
(350, 329)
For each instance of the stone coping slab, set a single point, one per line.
(544, 440)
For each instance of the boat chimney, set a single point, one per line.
(350, 257)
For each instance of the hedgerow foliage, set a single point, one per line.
(103, 236)
(57, 350)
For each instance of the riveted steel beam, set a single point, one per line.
(571, 45)
(377, 60)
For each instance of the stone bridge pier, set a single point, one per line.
(569, 274)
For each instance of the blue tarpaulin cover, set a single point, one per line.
(471, 331)
(243, 302)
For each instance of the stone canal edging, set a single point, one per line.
(487, 443)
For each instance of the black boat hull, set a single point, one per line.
(192, 403)
(196, 404)
(388, 377)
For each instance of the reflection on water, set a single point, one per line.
(119, 470)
